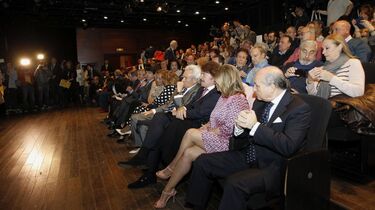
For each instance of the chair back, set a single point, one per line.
(369, 69)
(320, 113)
(307, 181)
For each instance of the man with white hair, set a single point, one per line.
(169, 53)
(357, 46)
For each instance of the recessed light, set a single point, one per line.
(105, 17)
(83, 20)
(159, 9)
(186, 25)
(122, 21)
(179, 21)
(226, 8)
(204, 18)
(178, 11)
(197, 13)
(217, 2)
(144, 19)
(142, 1)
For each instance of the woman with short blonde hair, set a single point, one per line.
(342, 73)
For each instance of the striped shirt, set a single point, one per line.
(349, 80)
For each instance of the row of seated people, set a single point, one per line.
(195, 123)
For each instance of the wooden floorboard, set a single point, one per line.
(62, 159)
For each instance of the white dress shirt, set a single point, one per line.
(238, 131)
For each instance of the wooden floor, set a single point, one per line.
(62, 159)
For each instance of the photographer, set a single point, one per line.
(363, 28)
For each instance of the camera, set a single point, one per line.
(301, 73)
(359, 22)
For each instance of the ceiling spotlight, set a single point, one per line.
(197, 13)
(105, 17)
(25, 61)
(186, 25)
(83, 20)
(141, 1)
(122, 21)
(144, 19)
(40, 56)
(204, 18)
(159, 9)
(226, 8)
(179, 21)
(217, 2)
(178, 11)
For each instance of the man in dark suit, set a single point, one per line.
(358, 47)
(282, 52)
(274, 130)
(107, 67)
(188, 89)
(169, 53)
(168, 128)
(138, 87)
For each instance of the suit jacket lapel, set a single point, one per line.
(189, 95)
(281, 107)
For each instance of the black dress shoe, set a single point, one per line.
(142, 182)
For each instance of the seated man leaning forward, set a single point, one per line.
(274, 130)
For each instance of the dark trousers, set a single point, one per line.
(156, 127)
(242, 180)
(125, 109)
(43, 94)
(28, 96)
(166, 146)
(11, 98)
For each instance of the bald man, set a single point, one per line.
(358, 47)
(264, 137)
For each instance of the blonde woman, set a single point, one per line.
(342, 73)
(211, 137)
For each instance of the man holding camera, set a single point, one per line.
(296, 71)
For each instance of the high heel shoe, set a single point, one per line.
(165, 173)
(162, 203)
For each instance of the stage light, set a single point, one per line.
(105, 17)
(226, 8)
(178, 11)
(217, 2)
(179, 21)
(83, 20)
(203, 18)
(144, 19)
(187, 25)
(25, 61)
(122, 21)
(40, 56)
(197, 12)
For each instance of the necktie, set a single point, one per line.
(250, 152)
(204, 92)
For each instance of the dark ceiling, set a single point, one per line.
(122, 13)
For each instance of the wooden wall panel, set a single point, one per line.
(94, 43)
